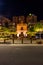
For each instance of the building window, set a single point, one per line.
(21, 28)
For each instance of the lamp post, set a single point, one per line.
(13, 38)
(22, 37)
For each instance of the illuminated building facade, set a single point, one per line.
(19, 24)
(21, 28)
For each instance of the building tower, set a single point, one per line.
(21, 18)
(31, 18)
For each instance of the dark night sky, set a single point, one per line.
(10, 8)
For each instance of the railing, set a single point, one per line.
(6, 37)
(21, 41)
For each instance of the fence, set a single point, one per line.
(20, 41)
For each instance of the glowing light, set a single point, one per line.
(30, 14)
(39, 29)
(26, 34)
(17, 35)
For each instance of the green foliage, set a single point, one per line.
(38, 26)
(5, 29)
(31, 29)
(13, 29)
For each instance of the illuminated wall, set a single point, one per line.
(21, 27)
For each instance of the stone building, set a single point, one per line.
(21, 28)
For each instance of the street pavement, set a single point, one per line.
(21, 54)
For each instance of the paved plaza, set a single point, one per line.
(21, 54)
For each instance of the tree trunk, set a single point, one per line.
(22, 40)
(13, 38)
(4, 40)
(31, 40)
(13, 41)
